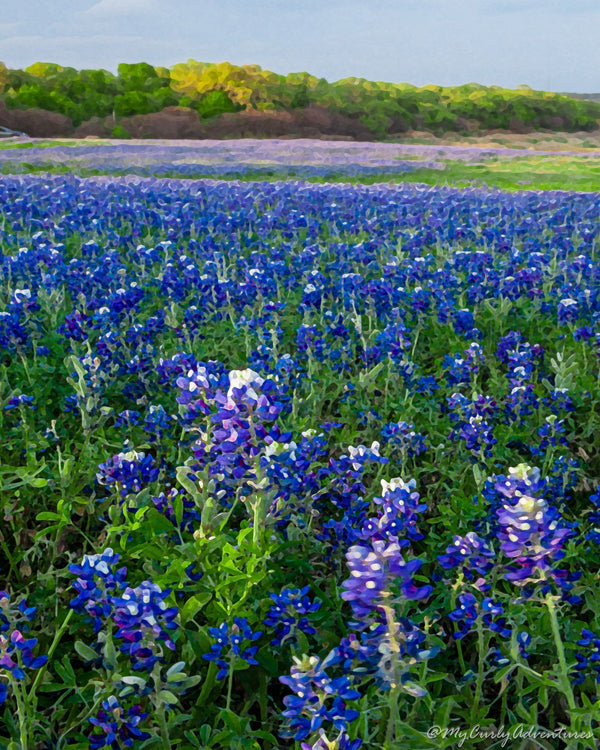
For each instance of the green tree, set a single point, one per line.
(140, 77)
(3, 76)
(215, 103)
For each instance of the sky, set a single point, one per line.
(546, 44)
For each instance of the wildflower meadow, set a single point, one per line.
(297, 465)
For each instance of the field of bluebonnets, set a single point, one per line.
(294, 465)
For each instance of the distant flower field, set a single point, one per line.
(295, 465)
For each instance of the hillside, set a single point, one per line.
(220, 100)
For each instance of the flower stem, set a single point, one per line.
(480, 667)
(263, 695)
(32, 697)
(230, 684)
(394, 716)
(565, 683)
(23, 713)
(160, 709)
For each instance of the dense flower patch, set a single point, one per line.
(299, 157)
(292, 465)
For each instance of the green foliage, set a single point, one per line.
(215, 88)
(3, 76)
(140, 77)
(215, 103)
(119, 132)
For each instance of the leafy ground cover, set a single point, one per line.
(297, 465)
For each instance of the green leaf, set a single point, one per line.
(48, 516)
(176, 677)
(176, 668)
(65, 671)
(267, 661)
(421, 736)
(442, 714)
(110, 654)
(191, 737)
(166, 696)
(37, 482)
(232, 721)
(134, 680)
(86, 652)
(193, 605)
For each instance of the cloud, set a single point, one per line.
(522, 7)
(109, 9)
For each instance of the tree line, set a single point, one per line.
(212, 89)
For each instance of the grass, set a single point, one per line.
(6, 145)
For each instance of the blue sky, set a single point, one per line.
(547, 44)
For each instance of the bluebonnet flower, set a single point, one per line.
(127, 418)
(583, 333)
(115, 727)
(190, 513)
(420, 300)
(15, 645)
(394, 340)
(360, 655)
(463, 320)
(469, 610)
(588, 658)
(144, 623)
(13, 334)
(559, 400)
(472, 555)
(128, 471)
(316, 698)
(232, 644)
(458, 370)
(240, 429)
(462, 408)
(96, 585)
(398, 510)
(23, 297)
(568, 311)
(519, 403)
(310, 341)
(361, 454)
(403, 439)
(523, 641)
(522, 364)
(552, 435)
(14, 402)
(341, 485)
(478, 436)
(12, 613)
(530, 530)
(593, 534)
(375, 572)
(400, 649)
(427, 385)
(283, 614)
(195, 390)
(291, 471)
(16, 651)
(74, 326)
(157, 422)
